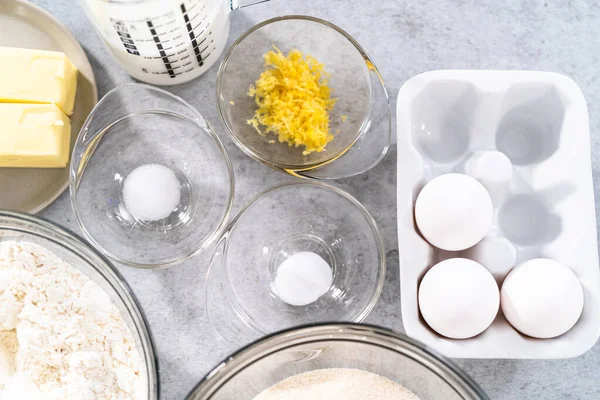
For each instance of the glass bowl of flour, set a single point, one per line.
(70, 327)
(337, 362)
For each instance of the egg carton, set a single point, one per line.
(467, 122)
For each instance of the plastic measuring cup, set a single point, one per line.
(164, 42)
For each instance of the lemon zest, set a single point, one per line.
(294, 100)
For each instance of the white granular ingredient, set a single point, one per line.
(61, 332)
(337, 384)
(302, 278)
(151, 192)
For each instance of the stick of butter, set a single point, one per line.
(37, 76)
(34, 136)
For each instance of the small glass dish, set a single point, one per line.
(242, 304)
(135, 125)
(360, 120)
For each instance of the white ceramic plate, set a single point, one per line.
(25, 25)
(449, 121)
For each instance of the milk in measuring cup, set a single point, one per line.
(162, 42)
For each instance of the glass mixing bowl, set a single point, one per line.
(242, 304)
(255, 368)
(135, 125)
(360, 120)
(74, 251)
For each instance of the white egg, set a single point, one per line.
(454, 212)
(542, 298)
(459, 298)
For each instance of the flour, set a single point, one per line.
(337, 384)
(63, 336)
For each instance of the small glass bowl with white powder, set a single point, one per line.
(337, 362)
(298, 253)
(151, 183)
(70, 327)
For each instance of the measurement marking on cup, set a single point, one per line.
(192, 35)
(161, 51)
(194, 28)
(198, 46)
(194, 17)
(125, 37)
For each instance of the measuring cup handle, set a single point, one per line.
(235, 4)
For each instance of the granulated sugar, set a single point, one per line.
(337, 384)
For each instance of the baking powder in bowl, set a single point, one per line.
(151, 192)
(302, 278)
(61, 336)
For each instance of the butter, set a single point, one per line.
(34, 135)
(37, 76)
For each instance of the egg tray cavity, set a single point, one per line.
(466, 122)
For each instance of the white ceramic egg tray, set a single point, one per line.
(461, 121)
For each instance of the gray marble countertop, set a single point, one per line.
(404, 38)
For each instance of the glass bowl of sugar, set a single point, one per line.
(151, 183)
(335, 362)
(298, 253)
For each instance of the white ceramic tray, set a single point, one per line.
(459, 121)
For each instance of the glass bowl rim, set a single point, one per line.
(291, 169)
(234, 302)
(73, 243)
(271, 344)
(216, 231)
